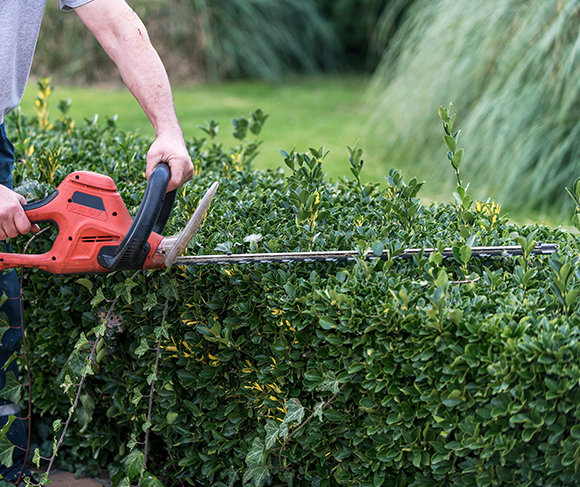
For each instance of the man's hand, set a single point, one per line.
(172, 150)
(13, 220)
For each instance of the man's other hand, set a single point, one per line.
(13, 220)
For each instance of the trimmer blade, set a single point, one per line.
(182, 240)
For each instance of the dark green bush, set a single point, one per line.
(355, 22)
(427, 371)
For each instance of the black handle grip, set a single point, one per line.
(40, 203)
(133, 250)
(165, 211)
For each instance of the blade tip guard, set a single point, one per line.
(182, 240)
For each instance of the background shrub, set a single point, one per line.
(427, 371)
(199, 40)
(355, 21)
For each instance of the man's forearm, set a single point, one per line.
(124, 37)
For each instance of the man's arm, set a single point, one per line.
(124, 38)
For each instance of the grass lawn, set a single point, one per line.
(305, 113)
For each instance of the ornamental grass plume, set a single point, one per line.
(513, 68)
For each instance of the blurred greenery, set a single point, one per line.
(512, 70)
(259, 39)
(354, 21)
(201, 40)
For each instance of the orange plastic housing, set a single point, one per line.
(89, 214)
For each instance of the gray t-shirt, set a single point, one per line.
(19, 26)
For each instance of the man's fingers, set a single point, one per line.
(13, 229)
(13, 219)
(179, 176)
(175, 180)
(9, 230)
(21, 222)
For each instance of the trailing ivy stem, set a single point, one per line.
(78, 394)
(151, 391)
(80, 385)
(71, 413)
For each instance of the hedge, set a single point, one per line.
(399, 372)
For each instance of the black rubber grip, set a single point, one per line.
(40, 203)
(165, 211)
(133, 250)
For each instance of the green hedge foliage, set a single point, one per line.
(393, 372)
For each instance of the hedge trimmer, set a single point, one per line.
(96, 233)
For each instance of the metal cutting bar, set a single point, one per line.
(345, 255)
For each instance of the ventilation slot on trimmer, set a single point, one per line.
(102, 238)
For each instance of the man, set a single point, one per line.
(124, 37)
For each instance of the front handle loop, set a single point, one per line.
(153, 213)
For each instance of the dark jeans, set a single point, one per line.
(10, 342)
